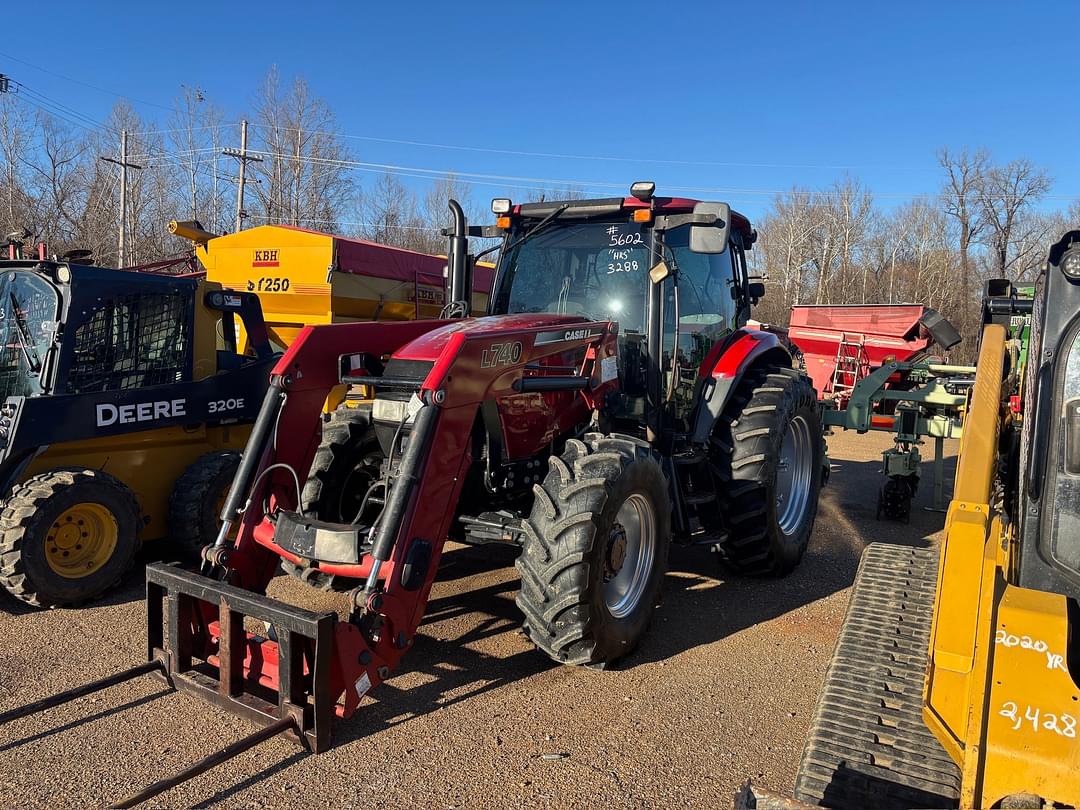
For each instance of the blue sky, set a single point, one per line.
(740, 99)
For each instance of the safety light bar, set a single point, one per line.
(500, 205)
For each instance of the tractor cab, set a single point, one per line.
(74, 329)
(670, 272)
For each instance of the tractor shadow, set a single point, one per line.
(131, 588)
(712, 603)
(442, 671)
(469, 644)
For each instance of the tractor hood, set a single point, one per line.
(430, 346)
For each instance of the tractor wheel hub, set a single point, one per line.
(616, 551)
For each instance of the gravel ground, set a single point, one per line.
(721, 688)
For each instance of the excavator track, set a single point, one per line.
(868, 745)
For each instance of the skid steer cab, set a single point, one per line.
(124, 403)
(609, 404)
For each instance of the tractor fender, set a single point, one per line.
(724, 366)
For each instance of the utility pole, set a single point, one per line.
(124, 166)
(242, 155)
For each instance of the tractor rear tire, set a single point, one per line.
(196, 501)
(347, 462)
(595, 550)
(767, 453)
(67, 536)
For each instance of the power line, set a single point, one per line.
(571, 156)
(316, 221)
(59, 115)
(504, 180)
(86, 119)
(84, 84)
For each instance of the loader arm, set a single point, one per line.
(401, 563)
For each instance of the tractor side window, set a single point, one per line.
(706, 286)
(132, 341)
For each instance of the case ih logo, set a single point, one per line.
(265, 258)
(565, 335)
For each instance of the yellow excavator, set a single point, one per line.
(956, 677)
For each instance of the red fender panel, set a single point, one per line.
(729, 359)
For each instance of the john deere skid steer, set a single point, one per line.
(124, 403)
(127, 396)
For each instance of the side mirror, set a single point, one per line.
(756, 291)
(711, 238)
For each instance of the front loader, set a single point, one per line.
(611, 403)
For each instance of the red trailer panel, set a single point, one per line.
(856, 337)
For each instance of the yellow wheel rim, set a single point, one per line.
(81, 540)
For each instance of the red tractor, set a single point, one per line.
(610, 404)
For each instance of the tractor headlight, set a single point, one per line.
(63, 274)
(500, 205)
(1070, 263)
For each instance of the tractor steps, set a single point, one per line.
(868, 745)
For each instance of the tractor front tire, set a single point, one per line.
(67, 536)
(595, 550)
(196, 502)
(767, 456)
(347, 461)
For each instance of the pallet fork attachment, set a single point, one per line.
(196, 643)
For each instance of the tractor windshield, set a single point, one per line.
(598, 270)
(28, 309)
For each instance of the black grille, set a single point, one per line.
(130, 342)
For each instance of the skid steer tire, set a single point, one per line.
(67, 536)
(595, 550)
(767, 455)
(347, 461)
(196, 502)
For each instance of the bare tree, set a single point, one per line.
(965, 174)
(783, 252)
(1006, 196)
(304, 178)
(53, 178)
(195, 138)
(15, 135)
(390, 215)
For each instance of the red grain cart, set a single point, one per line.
(841, 344)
